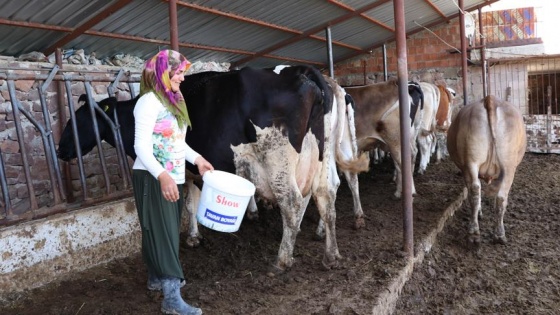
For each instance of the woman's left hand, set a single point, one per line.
(168, 187)
(203, 165)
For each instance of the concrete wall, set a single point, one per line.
(38, 252)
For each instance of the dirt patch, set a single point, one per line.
(522, 277)
(227, 273)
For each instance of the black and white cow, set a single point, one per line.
(275, 129)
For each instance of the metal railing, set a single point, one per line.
(20, 202)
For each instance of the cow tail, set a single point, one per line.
(443, 126)
(414, 88)
(322, 104)
(357, 165)
(361, 163)
(493, 158)
(326, 98)
(326, 92)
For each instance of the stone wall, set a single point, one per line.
(543, 133)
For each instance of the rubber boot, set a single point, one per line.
(154, 283)
(173, 303)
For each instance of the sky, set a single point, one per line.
(548, 22)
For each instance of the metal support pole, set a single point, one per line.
(173, 27)
(404, 111)
(463, 51)
(548, 117)
(330, 52)
(385, 70)
(483, 54)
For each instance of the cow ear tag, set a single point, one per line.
(106, 108)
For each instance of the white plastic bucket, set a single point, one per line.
(223, 200)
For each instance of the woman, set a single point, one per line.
(161, 121)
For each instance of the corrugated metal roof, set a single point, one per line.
(259, 33)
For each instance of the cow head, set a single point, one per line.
(86, 137)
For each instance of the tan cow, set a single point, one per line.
(487, 140)
(378, 122)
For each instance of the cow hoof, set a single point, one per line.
(193, 241)
(360, 223)
(474, 239)
(502, 240)
(275, 270)
(330, 264)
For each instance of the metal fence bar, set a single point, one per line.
(62, 77)
(131, 88)
(123, 160)
(50, 151)
(115, 130)
(76, 138)
(15, 108)
(111, 87)
(5, 193)
(92, 104)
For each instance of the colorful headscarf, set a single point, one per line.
(156, 77)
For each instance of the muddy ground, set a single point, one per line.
(227, 273)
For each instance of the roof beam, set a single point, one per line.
(87, 25)
(314, 30)
(148, 40)
(35, 25)
(374, 21)
(441, 14)
(258, 23)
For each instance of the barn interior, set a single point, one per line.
(55, 51)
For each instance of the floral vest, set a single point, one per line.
(169, 145)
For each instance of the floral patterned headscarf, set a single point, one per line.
(156, 77)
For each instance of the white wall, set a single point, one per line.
(35, 253)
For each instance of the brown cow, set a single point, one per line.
(487, 141)
(378, 122)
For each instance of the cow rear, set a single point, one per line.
(487, 141)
